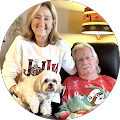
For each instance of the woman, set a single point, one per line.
(38, 49)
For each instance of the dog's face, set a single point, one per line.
(49, 84)
(48, 81)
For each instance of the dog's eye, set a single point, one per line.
(54, 80)
(46, 80)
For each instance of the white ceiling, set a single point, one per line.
(69, 5)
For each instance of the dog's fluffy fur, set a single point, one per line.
(39, 91)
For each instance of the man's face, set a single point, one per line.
(85, 62)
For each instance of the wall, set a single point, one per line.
(11, 33)
(72, 38)
(69, 21)
(109, 38)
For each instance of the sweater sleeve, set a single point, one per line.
(12, 63)
(68, 63)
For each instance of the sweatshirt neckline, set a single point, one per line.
(42, 48)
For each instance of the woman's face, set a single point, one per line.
(42, 23)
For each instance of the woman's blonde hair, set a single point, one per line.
(29, 34)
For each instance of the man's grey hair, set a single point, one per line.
(82, 45)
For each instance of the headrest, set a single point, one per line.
(108, 55)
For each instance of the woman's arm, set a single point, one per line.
(12, 64)
(17, 94)
(68, 63)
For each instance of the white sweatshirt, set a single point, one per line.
(28, 59)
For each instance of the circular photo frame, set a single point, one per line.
(59, 60)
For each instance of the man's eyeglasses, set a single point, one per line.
(86, 58)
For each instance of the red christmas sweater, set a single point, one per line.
(81, 96)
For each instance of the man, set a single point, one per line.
(89, 89)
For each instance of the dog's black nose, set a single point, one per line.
(50, 85)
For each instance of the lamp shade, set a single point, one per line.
(93, 23)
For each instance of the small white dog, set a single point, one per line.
(39, 91)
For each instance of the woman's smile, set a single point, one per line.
(41, 28)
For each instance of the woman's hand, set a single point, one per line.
(12, 88)
(18, 94)
(21, 97)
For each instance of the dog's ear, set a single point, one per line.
(37, 85)
(59, 85)
(59, 88)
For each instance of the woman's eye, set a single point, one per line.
(37, 17)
